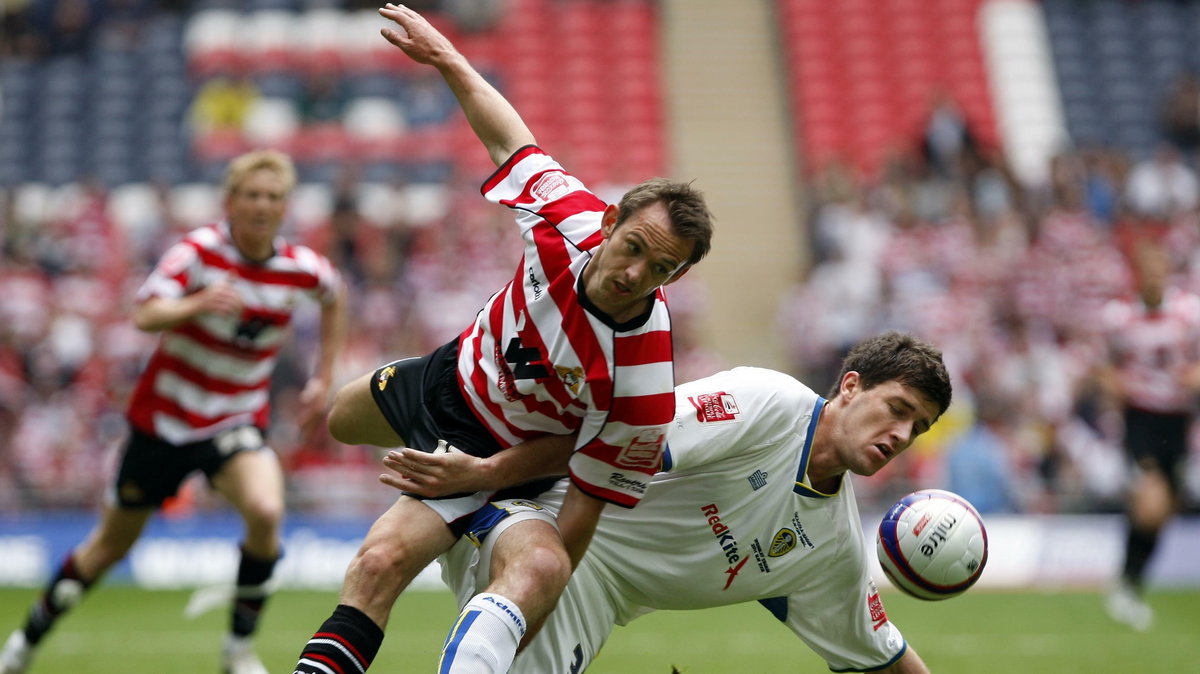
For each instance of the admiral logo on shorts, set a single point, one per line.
(550, 187)
(384, 376)
(714, 407)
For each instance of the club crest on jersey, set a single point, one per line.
(644, 452)
(551, 186)
(572, 377)
(783, 543)
(714, 407)
(385, 375)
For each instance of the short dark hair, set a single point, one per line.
(685, 206)
(900, 357)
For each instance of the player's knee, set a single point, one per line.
(378, 565)
(263, 514)
(546, 567)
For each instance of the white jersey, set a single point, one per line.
(731, 519)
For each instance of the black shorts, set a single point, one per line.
(152, 468)
(1158, 438)
(421, 400)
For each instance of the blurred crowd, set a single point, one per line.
(942, 241)
(1010, 280)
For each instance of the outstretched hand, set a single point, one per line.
(417, 37)
(434, 475)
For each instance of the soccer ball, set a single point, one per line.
(932, 544)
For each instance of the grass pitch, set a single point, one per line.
(122, 629)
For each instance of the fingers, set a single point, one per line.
(399, 482)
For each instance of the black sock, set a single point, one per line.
(253, 574)
(1139, 547)
(64, 591)
(347, 642)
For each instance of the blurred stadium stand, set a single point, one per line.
(965, 165)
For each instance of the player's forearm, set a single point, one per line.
(494, 120)
(577, 522)
(910, 663)
(159, 313)
(541, 457)
(333, 335)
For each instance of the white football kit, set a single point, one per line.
(730, 519)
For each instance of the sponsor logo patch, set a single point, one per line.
(714, 407)
(551, 186)
(875, 605)
(643, 452)
(758, 480)
(727, 542)
(625, 483)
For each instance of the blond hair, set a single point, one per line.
(270, 160)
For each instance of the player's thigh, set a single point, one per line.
(355, 417)
(404, 540)
(252, 481)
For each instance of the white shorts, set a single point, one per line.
(583, 619)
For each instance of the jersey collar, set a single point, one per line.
(801, 487)
(631, 324)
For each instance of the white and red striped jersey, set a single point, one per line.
(1152, 347)
(213, 372)
(540, 360)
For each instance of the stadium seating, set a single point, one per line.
(861, 74)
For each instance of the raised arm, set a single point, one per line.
(492, 117)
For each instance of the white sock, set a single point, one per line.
(484, 638)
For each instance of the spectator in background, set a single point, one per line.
(323, 99)
(1180, 115)
(222, 299)
(978, 465)
(1163, 185)
(947, 142)
(1153, 374)
(222, 104)
(17, 37)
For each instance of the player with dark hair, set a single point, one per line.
(577, 344)
(754, 503)
(1153, 373)
(222, 299)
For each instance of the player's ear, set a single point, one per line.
(850, 384)
(608, 222)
